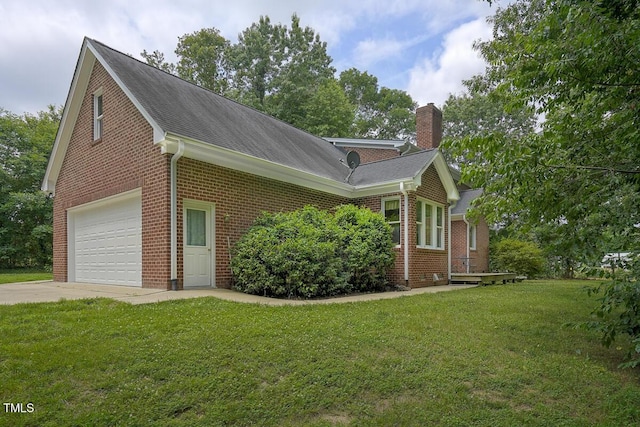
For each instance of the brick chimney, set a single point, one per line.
(428, 127)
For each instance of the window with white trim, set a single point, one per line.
(472, 236)
(98, 115)
(391, 212)
(429, 225)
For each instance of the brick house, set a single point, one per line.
(469, 247)
(154, 179)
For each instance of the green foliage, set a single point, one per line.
(311, 253)
(25, 212)
(329, 113)
(618, 312)
(286, 72)
(290, 255)
(576, 63)
(203, 59)
(380, 112)
(477, 113)
(366, 245)
(517, 256)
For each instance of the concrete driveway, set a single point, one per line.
(48, 291)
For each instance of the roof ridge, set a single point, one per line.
(404, 156)
(269, 116)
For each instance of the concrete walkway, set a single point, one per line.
(48, 291)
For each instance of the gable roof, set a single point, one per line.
(221, 131)
(466, 198)
(182, 108)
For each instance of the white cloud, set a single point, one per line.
(433, 79)
(370, 51)
(40, 39)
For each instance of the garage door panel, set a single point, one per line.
(108, 243)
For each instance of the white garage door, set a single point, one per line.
(106, 242)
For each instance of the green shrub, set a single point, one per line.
(367, 247)
(517, 256)
(311, 253)
(618, 310)
(290, 255)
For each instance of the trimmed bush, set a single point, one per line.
(311, 253)
(367, 247)
(290, 255)
(517, 256)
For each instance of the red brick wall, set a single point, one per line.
(368, 155)
(428, 127)
(479, 257)
(458, 246)
(425, 262)
(239, 198)
(124, 159)
(481, 254)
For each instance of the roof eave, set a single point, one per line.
(235, 160)
(440, 164)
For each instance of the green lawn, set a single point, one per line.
(490, 356)
(23, 275)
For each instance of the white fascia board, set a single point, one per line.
(384, 188)
(384, 144)
(79, 84)
(442, 168)
(158, 133)
(253, 165)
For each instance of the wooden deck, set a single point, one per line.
(483, 278)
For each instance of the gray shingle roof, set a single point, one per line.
(394, 169)
(466, 197)
(182, 108)
(185, 109)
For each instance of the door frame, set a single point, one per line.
(211, 235)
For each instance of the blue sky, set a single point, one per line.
(421, 46)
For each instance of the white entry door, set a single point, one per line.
(198, 245)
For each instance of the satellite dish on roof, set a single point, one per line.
(353, 159)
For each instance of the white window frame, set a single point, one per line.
(98, 119)
(473, 235)
(437, 230)
(392, 223)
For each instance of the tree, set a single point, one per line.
(203, 59)
(256, 59)
(575, 62)
(329, 113)
(287, 73)
(25, 212)
(380, 112)
(156, 59)
(481, 112)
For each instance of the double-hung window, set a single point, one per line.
(98, 115)
(472, 236)
(429, 225)
(391, 212)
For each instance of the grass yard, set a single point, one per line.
(23, 275)
(490, 356)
